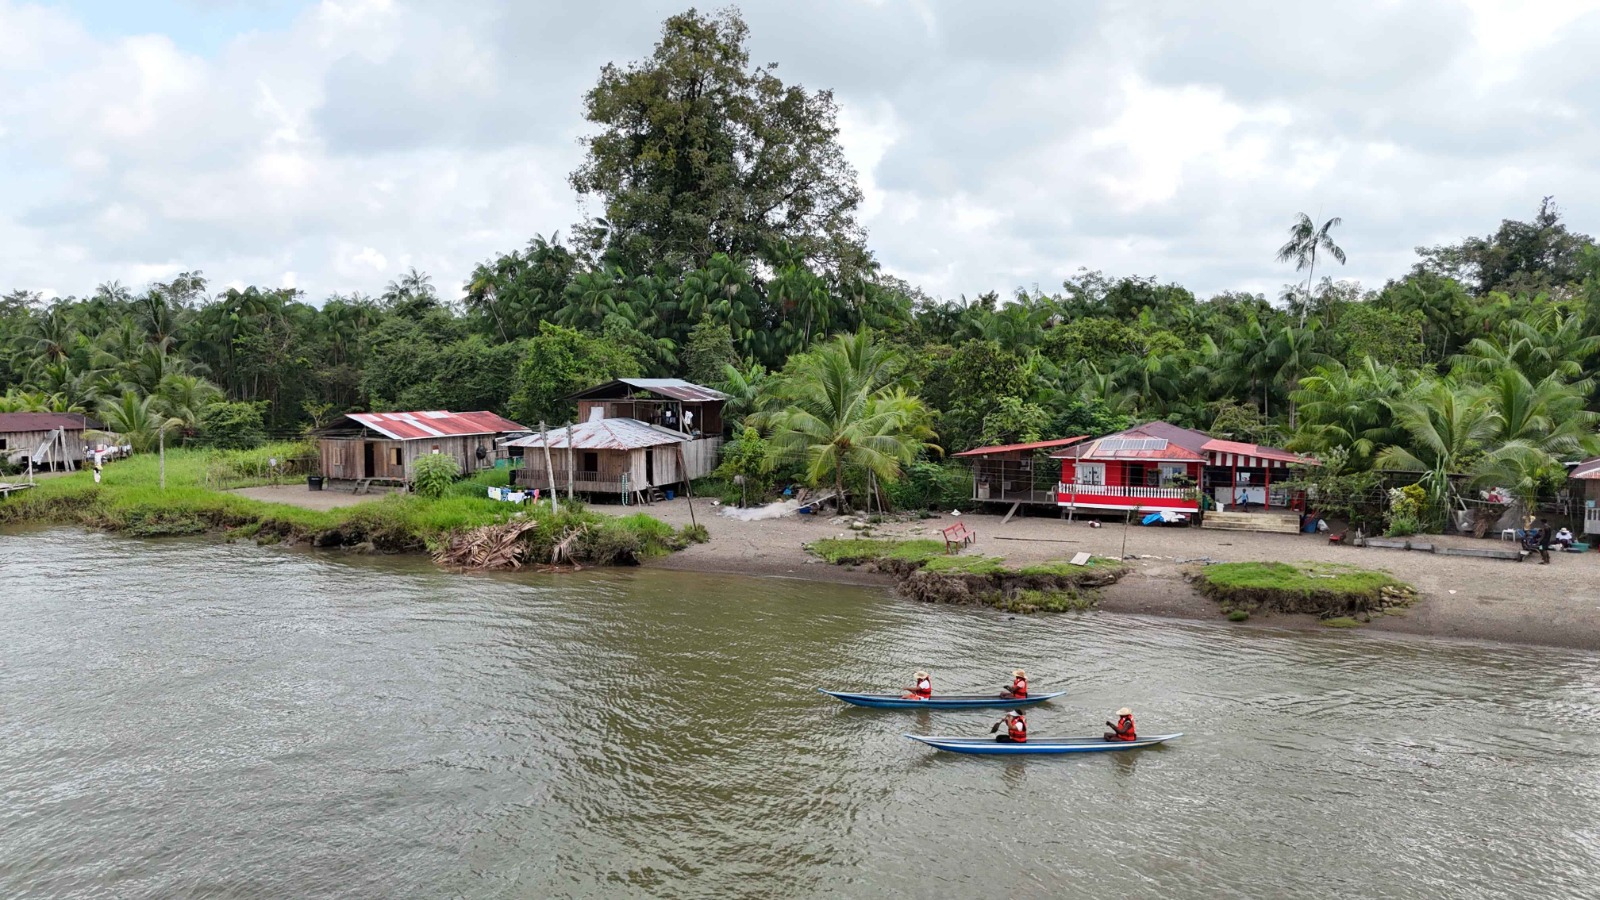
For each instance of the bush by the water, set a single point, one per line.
(433, 473)
(1322, 589)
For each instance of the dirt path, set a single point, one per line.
(1554, 605)
(298, 495)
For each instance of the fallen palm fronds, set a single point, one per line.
(488, 547)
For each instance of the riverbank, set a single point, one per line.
(1460, 597)
(130, 500)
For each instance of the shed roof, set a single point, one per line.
(413, 426)
(1587, 470)
(674, 388)
(604, 434)
(1008, 448)
(11, 423)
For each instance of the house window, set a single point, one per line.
(1091, 473)
(2, 443)
(394, 457)
(591, 463)
(1170, 471)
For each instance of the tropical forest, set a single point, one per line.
(725, 249)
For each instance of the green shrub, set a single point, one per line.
(432, 475)
(693, 534)
(1031, 601)
(1238, 615)
(929, 485)
(232, 426)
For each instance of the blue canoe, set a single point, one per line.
(1035, 746)
(948, 701)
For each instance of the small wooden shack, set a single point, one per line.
(671, 403)
(48, 440)
(384, 446)
(625, 459)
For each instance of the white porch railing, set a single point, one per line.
(1132, 493)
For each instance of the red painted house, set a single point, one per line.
(1158, 466)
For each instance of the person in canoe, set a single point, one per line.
(1123, 730)
(1018, 688)
(922, 690)
(1016, 728)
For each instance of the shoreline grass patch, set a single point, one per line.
(1326, 590)
(129, 501)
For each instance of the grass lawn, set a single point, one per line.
(1330, 590)
(129, 499)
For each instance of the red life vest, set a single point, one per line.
(924, 689)
(1018, 729)
(1125, 730)
(1019, 687)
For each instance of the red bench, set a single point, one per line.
(958, 535)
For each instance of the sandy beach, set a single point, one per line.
(1461, 597)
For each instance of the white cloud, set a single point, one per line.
(995, 150)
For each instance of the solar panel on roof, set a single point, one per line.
(1132, 444)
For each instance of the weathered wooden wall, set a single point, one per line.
(29, 441)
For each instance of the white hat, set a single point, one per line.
(1124, 711)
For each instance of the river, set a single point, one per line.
(187, 718)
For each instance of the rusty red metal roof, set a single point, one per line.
(11, 423)
(1008, 448)
(412, 426)
(1164, 441)
(673, 388)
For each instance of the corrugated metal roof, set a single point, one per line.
(1152, 440)
(1007, 448)
(604, 434)
(1256, 450)
(1588, 469)
(14, 422)
(412, 426)
(675, 388)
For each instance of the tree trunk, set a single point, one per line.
(161, 444)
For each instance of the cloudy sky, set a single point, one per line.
(329, 145)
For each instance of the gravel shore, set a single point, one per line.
(1556, 605)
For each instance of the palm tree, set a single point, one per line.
(136, 418)
(1305, 239)
(1445, 429)
(1348, 408)
(845, 411)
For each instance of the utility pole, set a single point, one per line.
(549, 467)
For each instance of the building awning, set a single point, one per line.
(1254, 456)
(1010, 448)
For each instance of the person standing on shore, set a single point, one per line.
(1544, 542)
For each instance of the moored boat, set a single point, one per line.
(1040, 745)
(947, 701)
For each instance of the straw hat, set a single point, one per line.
(1017, 713)
(1124, 711)
(921, 674)
(1019, 673)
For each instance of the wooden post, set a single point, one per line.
(1266, 479)
(549, 467)
(688, 493)
(161, 438)
(569, 462)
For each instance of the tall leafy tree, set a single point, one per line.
(698, 152)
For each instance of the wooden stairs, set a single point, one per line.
(1277, 522)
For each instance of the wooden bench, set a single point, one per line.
(958, 535)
